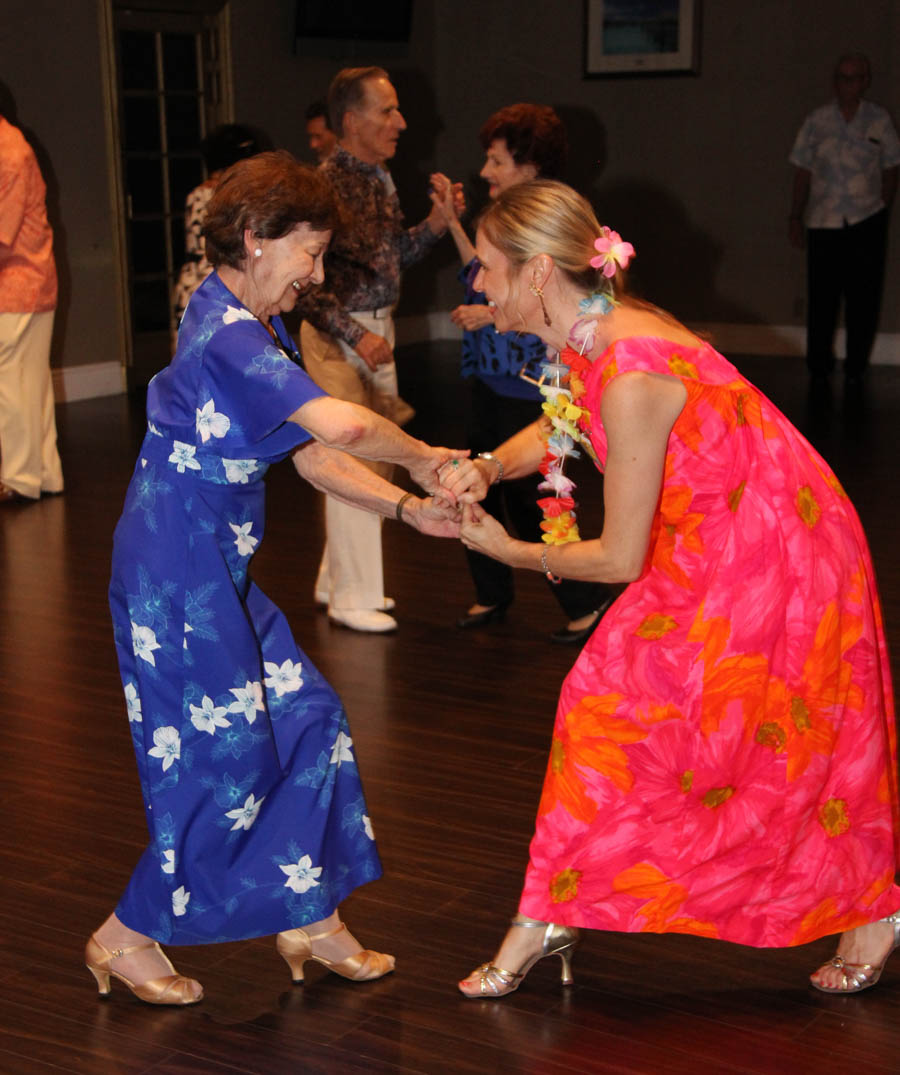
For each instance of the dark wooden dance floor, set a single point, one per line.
(452, 731)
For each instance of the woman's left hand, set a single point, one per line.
(482, 533)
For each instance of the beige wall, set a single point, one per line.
(692, 170)
(50, 63)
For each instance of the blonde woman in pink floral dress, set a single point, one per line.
(723, 758)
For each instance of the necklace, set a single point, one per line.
(562, 386)
(289, 350)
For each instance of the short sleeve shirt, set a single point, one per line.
(846, 161)
(229, 391)
(27, 268)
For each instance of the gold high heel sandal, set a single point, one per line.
(494, 981)
(173, 989)
(295, 948)
(858, 976)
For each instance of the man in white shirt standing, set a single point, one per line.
(846, 157)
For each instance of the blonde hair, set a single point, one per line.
(544, 216)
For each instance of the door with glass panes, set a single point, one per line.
(170, 76)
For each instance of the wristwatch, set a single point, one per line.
(491, 458)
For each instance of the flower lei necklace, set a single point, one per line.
(562, 386)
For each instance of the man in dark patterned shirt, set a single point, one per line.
(347, 336)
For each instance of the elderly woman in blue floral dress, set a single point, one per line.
(257, 819)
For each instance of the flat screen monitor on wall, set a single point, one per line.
(353, 20)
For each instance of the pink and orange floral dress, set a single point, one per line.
(723, 758)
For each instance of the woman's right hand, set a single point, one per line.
(482, 533)
(428, 471)
(471, 318)
(466, 480)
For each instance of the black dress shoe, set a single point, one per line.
(482, 619)
(567, 637)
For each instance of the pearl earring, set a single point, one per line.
(257, 253)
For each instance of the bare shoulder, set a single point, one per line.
(641, 399)
(643, 388)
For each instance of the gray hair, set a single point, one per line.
(347, 93)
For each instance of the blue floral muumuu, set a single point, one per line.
(253, 799)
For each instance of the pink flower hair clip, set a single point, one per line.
(612, 253)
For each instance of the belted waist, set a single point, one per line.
(199, 462)
(380, 314)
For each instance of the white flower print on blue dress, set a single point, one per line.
(251, 790)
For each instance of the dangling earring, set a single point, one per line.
(257, 253)
(535, 290)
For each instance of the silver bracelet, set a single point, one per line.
(545, 567)
(491, 458)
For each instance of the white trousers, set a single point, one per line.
(29, 460)
(351, 571)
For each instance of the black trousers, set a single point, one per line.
(844, 263)
(493, 419)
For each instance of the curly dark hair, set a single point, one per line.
(228, 144)
(318, 109)
(269, 194)
(534, 134)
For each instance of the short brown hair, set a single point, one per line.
(347, 92)
(270, 194)
(534, 134)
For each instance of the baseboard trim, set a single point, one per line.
(95, 379)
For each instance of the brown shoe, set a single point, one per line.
(9, 496)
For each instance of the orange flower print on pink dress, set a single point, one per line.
(736, 684)
(681, 367)
(662, 900)
(740, 407)
(609, 371)
(791, 728)
(701, 791)
(834, 817)
(564, 886)
(656, 625)
(676, 534)
(827, 914)
(743, 784)
(590, 739)
(712, 634)
(807, 506)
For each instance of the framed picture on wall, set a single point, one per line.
(641, 37)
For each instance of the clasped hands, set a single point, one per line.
(456, 485)
(447, 201)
